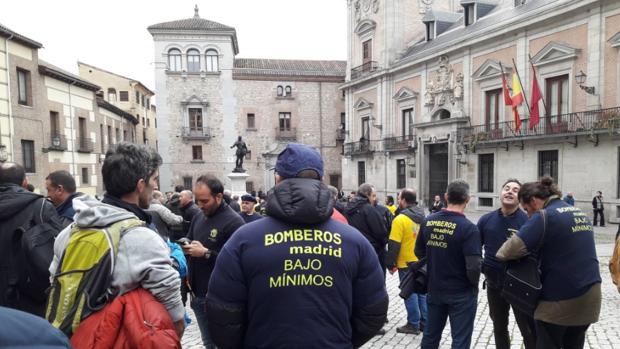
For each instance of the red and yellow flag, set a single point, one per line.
(517, 99)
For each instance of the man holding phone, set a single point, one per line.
(208, 233)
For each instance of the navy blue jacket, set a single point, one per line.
(26, 331)
(296, 279)
(569, 265)
(66, 211)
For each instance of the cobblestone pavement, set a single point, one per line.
(602, 335)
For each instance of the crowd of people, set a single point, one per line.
(301, 266)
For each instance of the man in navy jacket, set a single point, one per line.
(296, 278)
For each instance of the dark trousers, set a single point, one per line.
(550, 336)
(599, 212)
(460, 308)
(499, 310)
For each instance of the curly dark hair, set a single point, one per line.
(125, 164)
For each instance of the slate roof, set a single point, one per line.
(333, 70)
(503, 14)
(6, 32)
(63, 75)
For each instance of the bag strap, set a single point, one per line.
(543, 214)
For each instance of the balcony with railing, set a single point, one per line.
(196, 133)
(283, 134)
(57, 142)
(84, 145)
(360, 148)
(399, 143)
(591, 122)
(364, 69)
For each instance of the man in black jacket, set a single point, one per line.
(363, 216)
(296, 278)
(23, 279)
(209, 232)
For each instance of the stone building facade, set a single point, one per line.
(51, 119)
(424, 98)
(207, 98)
(129, 95)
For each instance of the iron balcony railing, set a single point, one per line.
(586, 122)
(360, 148)
(399, 143)
(84, 145)
(286, 134)
(196, 132)
(57, 142)
(363, 69)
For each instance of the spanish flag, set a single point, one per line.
(517, 99)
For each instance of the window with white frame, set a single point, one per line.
(212, 61)
(492, 108)
(280, 90)
(557, 97)
(193, 61)
(174, 60)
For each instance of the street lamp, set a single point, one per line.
(581, 80)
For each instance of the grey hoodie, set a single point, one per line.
(143, 259)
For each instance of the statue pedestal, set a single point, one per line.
(237, 180)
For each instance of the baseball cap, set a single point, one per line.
(296, 158)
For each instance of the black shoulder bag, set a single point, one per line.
(522, 282)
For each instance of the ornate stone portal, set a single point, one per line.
(444, 90)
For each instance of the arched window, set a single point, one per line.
(280, 91)
(288, 91)
(111, 95)
(212, 61)
(174, 60)
(193, 61)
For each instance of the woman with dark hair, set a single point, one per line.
(571, 282)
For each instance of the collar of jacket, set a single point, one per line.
(114, 201)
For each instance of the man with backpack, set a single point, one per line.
(28, 225)
(113, 235)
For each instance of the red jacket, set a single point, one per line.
(339, 217)
(133, 320)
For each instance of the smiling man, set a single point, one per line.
(495, 228)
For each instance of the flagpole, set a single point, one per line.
(542, 99)
(529, 111)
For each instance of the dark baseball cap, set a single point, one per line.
(296, 158)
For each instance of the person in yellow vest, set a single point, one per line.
(405, 228)
(389, 203)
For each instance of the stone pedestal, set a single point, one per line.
(237, 180)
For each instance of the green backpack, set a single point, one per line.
(81, 285)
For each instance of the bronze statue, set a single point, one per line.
(241, 151)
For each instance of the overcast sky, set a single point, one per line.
(111, 34)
